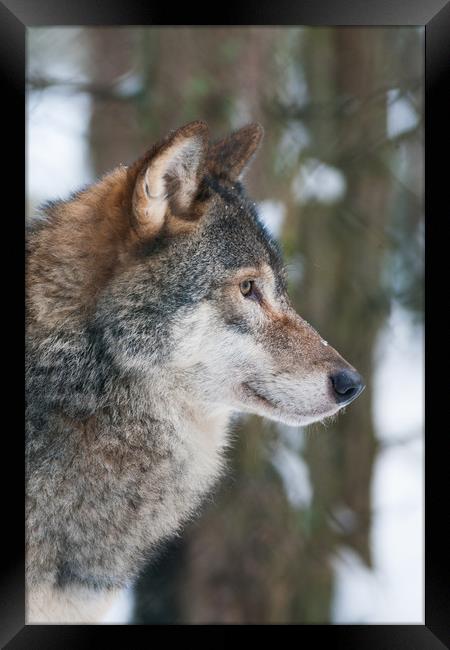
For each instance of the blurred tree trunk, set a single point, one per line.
(342, 291)
(114, 130)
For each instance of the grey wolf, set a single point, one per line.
(156, 308)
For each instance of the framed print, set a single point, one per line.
(225, 321)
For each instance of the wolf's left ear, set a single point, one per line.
(230, 158)
(166, 180)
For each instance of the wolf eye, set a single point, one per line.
(246, 287)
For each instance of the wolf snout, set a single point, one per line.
(347, 385)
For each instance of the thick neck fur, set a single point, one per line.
(115, 462)
(123, 476)
(74, 249)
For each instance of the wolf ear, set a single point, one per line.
(168, 176)
(230, 158)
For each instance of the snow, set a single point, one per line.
(317, 181)
(272, 214)
(393, 592)
(56, 149)
(122, 609)
(401, 115)
(294, 473)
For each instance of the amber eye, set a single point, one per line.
(246, 287)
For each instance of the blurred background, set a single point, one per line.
(313, 525)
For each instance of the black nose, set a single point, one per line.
(347, 385)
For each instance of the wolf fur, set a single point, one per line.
(140, 345)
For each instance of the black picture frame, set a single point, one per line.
(15, 17)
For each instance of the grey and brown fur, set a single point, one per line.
(140, 346)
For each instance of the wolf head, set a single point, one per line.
(168, 264)
(200, 290)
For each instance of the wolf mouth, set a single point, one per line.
(254, 393)
(305, 417)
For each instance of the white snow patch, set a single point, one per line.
(393, 592)
(122, 609)
(401, 115)
(129, 84)
(272, 214)
(57, 150)
(399, 384)
(294, 140)
(317, 181)
(295, 475)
